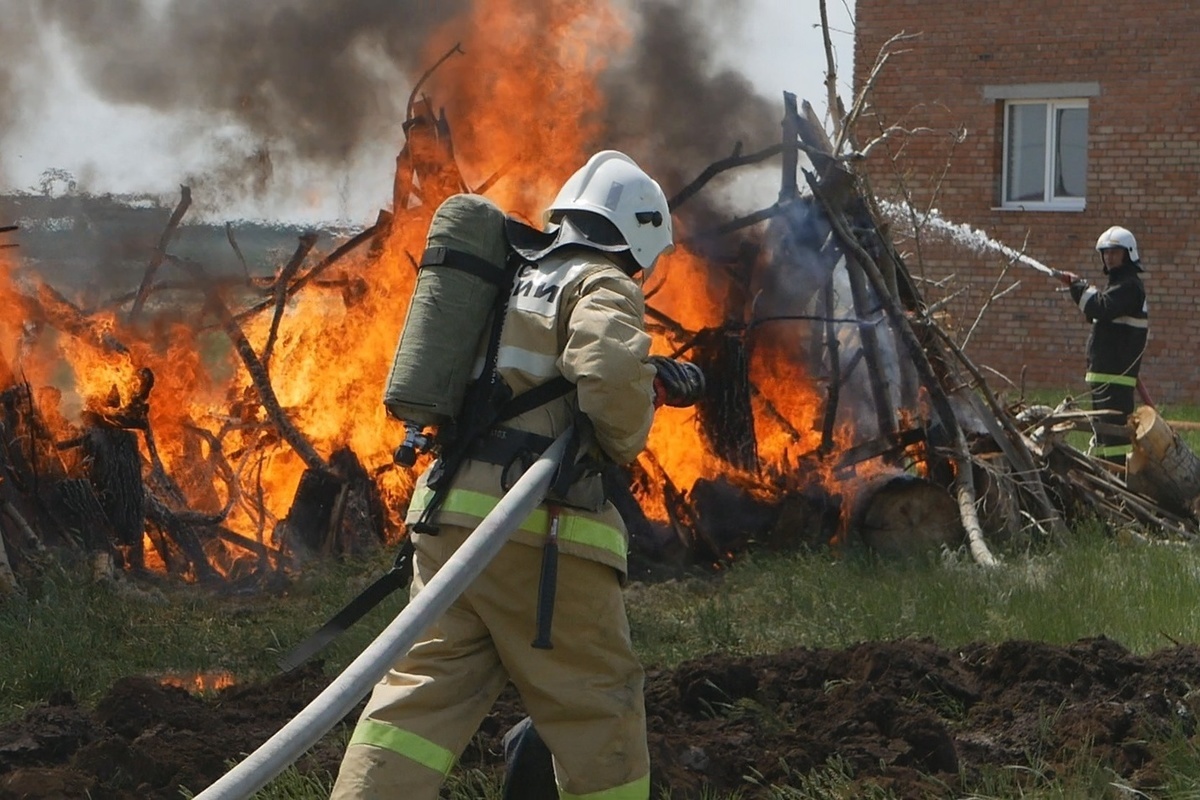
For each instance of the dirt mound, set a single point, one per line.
(908, 715)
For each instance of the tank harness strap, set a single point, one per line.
(547, 585)
(467, 262)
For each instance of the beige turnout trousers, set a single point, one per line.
(584, 695)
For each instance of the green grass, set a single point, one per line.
(1144, 596)
(72, 634)
(68, 633)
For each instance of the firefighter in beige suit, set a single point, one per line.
(576, 312)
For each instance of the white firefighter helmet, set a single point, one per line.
(612, 185)
(1116, 236)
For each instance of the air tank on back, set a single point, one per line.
(461, 272)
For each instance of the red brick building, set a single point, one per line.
(1042, 124)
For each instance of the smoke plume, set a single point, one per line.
(314, 82)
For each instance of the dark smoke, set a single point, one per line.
(672, 106)
(313, 80)
(296, 71)
(19, 50)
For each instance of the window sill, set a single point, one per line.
(1039, 207)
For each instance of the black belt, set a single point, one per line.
(504, 446)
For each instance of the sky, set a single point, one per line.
(126, 102)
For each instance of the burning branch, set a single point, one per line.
(160, 252)
(348, 246)
(307, 240)
(258, 373)
(941, 403)
(61, 313)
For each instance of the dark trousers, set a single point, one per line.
(1118, 401)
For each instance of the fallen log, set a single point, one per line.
(1161, 465)
(903, 516)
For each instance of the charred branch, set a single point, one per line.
(351, 244)
(736, 159)
(160, 252)
(237, 251)
(258, 374)
(307, 240)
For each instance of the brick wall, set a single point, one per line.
(1143, 168)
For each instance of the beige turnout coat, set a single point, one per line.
(577, 315)
(573, 314)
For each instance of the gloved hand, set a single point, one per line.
(676, 383)
(1067, 277)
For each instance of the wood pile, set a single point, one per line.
(910, 451)
(952, 462)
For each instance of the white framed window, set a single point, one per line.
(1045, 154)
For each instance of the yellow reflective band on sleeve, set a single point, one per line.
(571, 528)
(406, 743)
(1103, 377)
(1111, 450)
(634, 790)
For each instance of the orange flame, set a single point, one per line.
(526, 104)
(199, 682)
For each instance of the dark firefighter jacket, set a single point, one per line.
(1120, 321)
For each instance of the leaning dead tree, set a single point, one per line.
(915, 412)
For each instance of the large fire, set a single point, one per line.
(531, 104)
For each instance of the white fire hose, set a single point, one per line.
(339, 698)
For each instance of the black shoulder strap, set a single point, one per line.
(534, 398)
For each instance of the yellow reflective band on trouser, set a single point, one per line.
(1111, 450)
(634, 790)
(571, 528)
(407, 744)
(1101, 377)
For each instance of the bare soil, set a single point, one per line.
(918, 719)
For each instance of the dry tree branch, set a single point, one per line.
(860, 101)
(933, 308)
(835, 103)
(887, 133)
(160, 252)
(993, 296)
(258, 374)
(237, 250)
(307, 240)
(736, 159)
(1010, 439)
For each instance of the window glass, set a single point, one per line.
(1070, 150)
(1026, 156)
(1045, 153)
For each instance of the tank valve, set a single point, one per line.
(416, 441)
